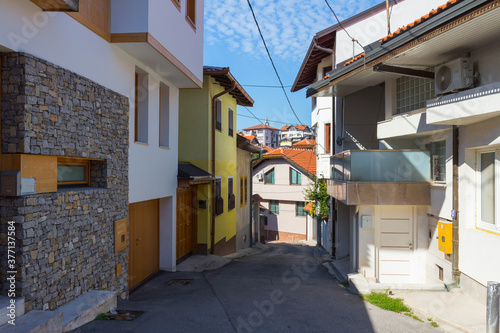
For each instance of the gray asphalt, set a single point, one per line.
(285, 289)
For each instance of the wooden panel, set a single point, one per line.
(186, 222)
(11, 162)
(120, 235)
(144, 245)
(57, 5)
(96, 16)
(43, 168)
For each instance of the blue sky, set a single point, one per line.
(232, 40)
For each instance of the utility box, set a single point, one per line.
(445, 236)
(10, 183)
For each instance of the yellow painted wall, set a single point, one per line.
(195, 124)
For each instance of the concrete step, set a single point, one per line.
(36, 322)
(86, 307)
(6, 308)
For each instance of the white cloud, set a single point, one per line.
(287, 25)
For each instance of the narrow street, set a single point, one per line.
(284, 289)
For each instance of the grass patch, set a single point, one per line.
(383, 301)
(434, 324)
(411, 315)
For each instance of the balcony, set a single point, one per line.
(465, 107)
(381, 177)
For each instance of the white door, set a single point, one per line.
(395, 250)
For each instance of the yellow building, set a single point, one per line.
(209, 205)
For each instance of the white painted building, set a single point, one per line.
(281, 177)
(290, 134)
(267, 136)
(153, 47)
(396, 204)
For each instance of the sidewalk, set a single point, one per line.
(454, 311)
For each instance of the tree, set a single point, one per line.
(318, 195)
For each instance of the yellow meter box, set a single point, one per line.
(445, 233)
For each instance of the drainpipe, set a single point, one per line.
(212, 231)
(324, 49)
(455, 271)
(251, 195)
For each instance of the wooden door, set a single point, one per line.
(186, 222)
(144, 242)
(396, 255)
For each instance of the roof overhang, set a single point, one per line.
(326, 39)
(224, 77)
(245, 144)
(145, 48)
(193, 174)
(446, 36)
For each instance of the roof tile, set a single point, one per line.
(305, 158)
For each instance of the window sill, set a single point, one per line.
(177, 5)
(486, 228)
(141, 143)
(438, 185)
(78, 189)
(191, 23)
(163, 147)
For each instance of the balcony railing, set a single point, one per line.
(381, 166)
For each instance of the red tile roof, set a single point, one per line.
(261, 126)
(359, 56)
(305, 158)
(306, 142)
(256, 198)
(249, 137)
(424, 18)
(267, 149)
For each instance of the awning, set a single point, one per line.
(192, 173)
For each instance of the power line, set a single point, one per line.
(340, 24)
(272, 62)
(271, 121)
(252, 115)
(260, 86)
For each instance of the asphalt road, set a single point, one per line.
(285, 289)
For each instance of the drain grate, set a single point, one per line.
(179, 282)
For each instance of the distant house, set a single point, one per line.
(305, 144)
(265, 134)
(253, 139)
(291, 134)
(281, 177)
(208, 141)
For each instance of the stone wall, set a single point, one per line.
(65, 239)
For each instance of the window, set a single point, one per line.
(218, 115)
(327, 137)
(219, 201)
(141, 107)
(299, 209)
(295, 177)
(191, 12)
(274, 206)
(73, 171)
(164, 114)
(246, 190)
(231, 200)
(242, 195)
(411, 93)
(488, 201)
(269, 177)
(438, 161)
(230, 122)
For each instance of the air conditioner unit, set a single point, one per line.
(454, 75)
(259, 176)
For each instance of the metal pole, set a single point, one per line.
(388, 17)
(492, 307)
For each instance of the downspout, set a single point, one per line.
(455, 271)
(251, 195)
(324, 49)
(212, 231)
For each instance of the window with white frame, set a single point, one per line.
(412, 92)
(488, 171)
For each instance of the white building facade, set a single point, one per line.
(267, 136)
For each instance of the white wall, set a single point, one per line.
(286, 220)
(375, 28)
(167, 24)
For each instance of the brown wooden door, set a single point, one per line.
(186, 221)
(144, 244)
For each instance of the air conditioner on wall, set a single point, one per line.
(259, 176)
(454, 75)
